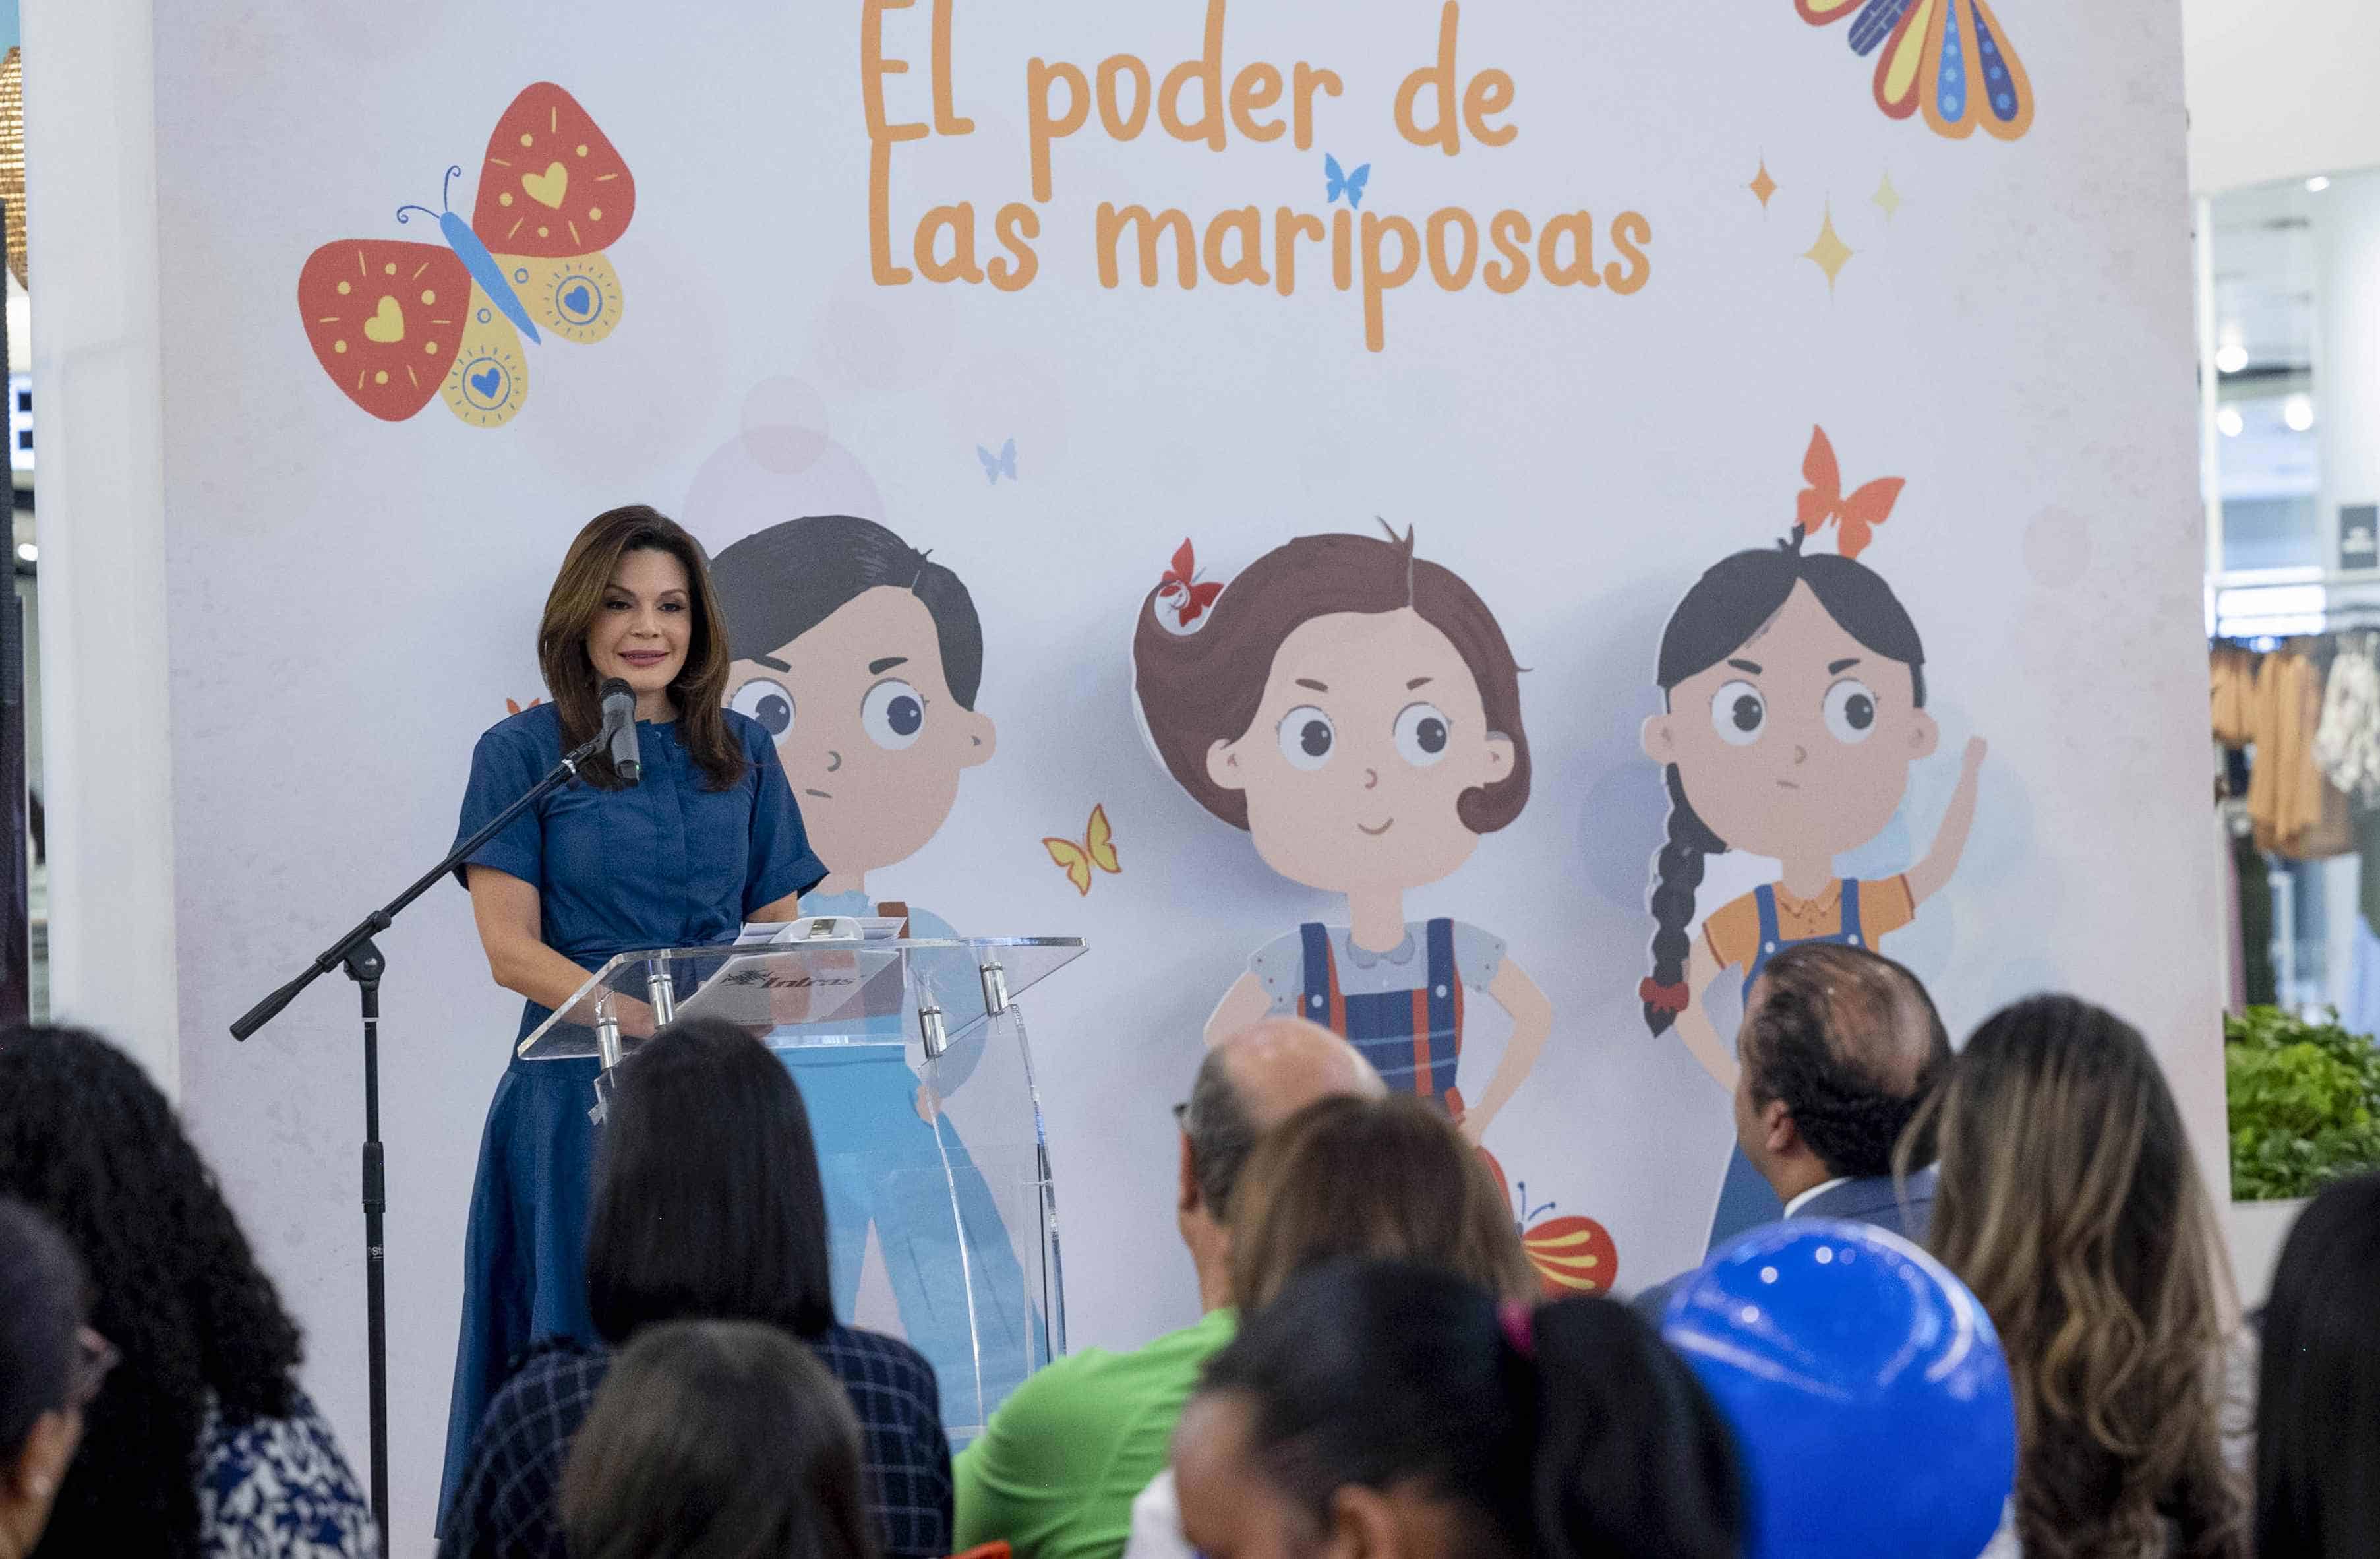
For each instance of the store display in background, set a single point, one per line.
(12, 158)
(2359, 536)
(2298, 813)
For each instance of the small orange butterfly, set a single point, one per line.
(1096, 849)
(513, 708)
(1855, 517)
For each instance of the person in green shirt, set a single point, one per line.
(1056, 1471)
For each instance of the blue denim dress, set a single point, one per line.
(667, 863)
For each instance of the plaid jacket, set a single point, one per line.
(507, 1504)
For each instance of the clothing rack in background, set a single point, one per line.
(2296, 716)
(2350, 617)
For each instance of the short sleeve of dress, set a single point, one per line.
(1733, 932)
(503, 767)
(1280, 967)
(782, 862)
(1885, 907)
(1478, 955)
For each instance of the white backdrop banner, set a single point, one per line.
(1478, 520)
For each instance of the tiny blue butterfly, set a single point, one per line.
(1350, 184)
(999, 465)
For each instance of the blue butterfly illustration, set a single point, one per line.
(1350, 184)
(999, 465)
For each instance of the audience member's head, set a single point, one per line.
(717, 1440)
(1394, 1410)
(1246, 1086)
(2318, 1398)
(51, 1364)
(1838, 1048)
(2070, 1204)
(86, 1139)
(1385, 1179)
(707, 1199)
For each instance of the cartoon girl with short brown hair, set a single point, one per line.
(1793, 705)
(1357, 711)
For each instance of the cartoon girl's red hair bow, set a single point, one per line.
(1856, 516)
(1671, 998)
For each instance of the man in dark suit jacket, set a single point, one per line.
(1839, 1048)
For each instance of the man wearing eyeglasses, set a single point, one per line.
(1057, 1468)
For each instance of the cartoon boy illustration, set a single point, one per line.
(1357, 711)
(1794, 688)
(863, 657)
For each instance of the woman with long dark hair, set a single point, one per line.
(200, 1445)
(2318, 1397)
(2068, 1200)
(708, 838)
(708, 1206)
(1387, 1409)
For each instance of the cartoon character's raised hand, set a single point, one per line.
(1927, 876)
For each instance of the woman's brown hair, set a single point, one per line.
(1378, 1179)
(700, 688)
(2068, 1202)
(717, 1440)
(1197, 688)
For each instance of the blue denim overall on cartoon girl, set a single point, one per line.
(1413, 1039)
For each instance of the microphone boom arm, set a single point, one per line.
(382, 919)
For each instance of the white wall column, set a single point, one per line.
(2346, 349)
(91, 223)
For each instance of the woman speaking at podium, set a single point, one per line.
(708, 838)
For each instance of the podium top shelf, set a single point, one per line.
(807, 992)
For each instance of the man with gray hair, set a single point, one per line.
(1058, 1465)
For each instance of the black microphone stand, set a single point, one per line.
(357, 954)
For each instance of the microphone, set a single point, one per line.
(619, 702)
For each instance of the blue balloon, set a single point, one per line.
(1865, 1386)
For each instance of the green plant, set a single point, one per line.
(2304, 1104)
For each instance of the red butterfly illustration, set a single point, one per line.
(395, 322)
(515, 707)
(1572, 1254)
(1856, 516)
(1183, 587)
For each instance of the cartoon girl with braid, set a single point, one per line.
(1793, 690)
(1357, 711)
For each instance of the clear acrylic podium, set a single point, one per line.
(913, 1062)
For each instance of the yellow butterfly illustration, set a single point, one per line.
(1097, 848)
